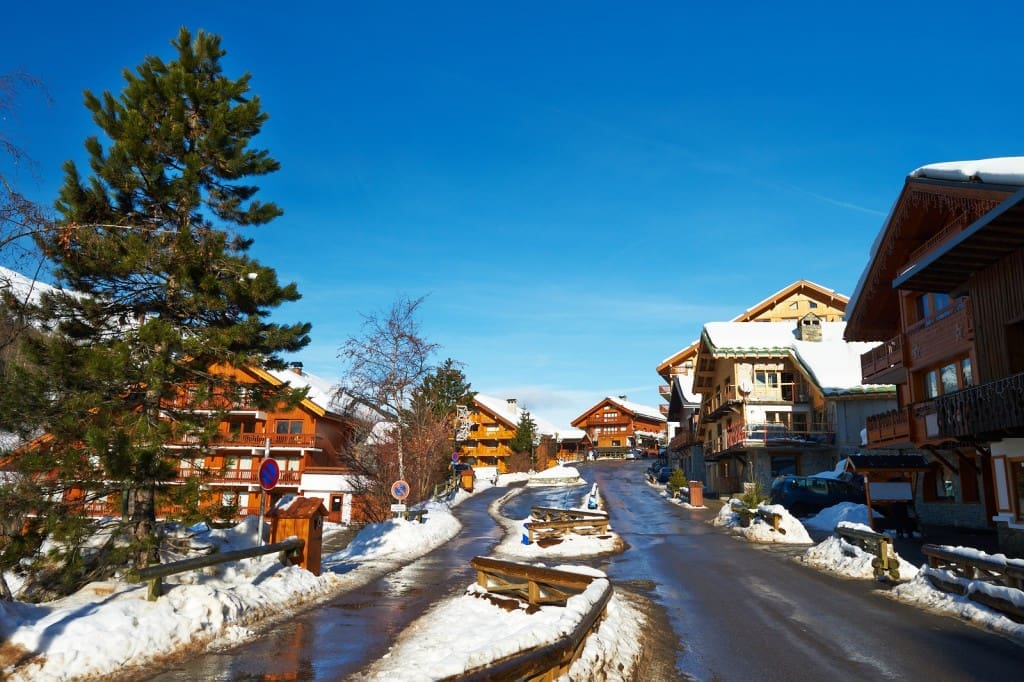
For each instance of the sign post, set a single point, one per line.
(399, 491)
(270, 472)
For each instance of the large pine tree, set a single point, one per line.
(163, 286)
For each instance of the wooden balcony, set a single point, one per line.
(237, 476)
(258, 440)
(884, 364)
(775, 435)
(990, 411)
(663, 409)
(498, 434)
(889, 428)
(948, 333)
(665, 390)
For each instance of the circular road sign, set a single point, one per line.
(400, 490)
(455, 456)
(269, 473)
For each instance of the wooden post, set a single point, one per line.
(867, 498)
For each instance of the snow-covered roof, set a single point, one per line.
(684, 384)
(833, 363)
(638, 409)
(1002, 170)
(511, 413)
(323, 393)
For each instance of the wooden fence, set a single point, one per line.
(879, 544)
(975, 566)
(155, 573)
(554, 523)
(537, 585)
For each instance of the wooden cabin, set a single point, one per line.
(616, 425)
(778, 398)
(306, 440)
(492, 424)
(944, 291)
(683, 408)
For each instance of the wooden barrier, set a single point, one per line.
(551, 660)
(584, 526)
(878, 544)
(746, 514)
(554, 514)
(156, 572)
(533, 584)
(970, 566)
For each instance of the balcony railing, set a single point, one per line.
(255, 440)
(769, 435)
(992, 410)
(889, 428)
(883, 364)
(665, 390)
(236, 476)
(945, 334)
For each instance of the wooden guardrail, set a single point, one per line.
(155, 573)
(548, 522)
(746, 514)
(555, 514)
(551, 660)
(879, 544)
(975, 566)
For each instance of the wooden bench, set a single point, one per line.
(416, 515)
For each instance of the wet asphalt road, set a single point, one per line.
(722, 609)
(751, 612)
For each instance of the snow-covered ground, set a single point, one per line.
(837, 556)
(83, 635)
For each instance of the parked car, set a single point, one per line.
(630, 454)
(664, 473)
(807, 495)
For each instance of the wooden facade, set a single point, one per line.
(683, 397)
(763, 411)
(493, 425)
(303, 439)
(616, 425)
(944, 290)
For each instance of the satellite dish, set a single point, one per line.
(745, 386)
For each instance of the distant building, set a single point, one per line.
(779, 398)
(493, 425)
(682, 411)
(616, 425)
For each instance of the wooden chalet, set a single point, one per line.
(683, 408)
(616, 425)
(492, 426)
(306, 440)
(779, 398)
(944, 291)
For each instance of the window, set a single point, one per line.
(928, 305)
(289, 426)
(793, 305)
(953, 376)
(950, 380)
(931, 384)
(812, 304)
(335, 503)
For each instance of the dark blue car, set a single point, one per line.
(808, 495)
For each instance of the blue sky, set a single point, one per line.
(576, 186)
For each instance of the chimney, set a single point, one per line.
(809, 328)
(622, 397)
(512, 403)
(295, 367)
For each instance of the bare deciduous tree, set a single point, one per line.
(386, 362)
